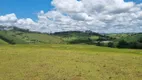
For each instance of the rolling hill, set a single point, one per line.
(21, 36)
(14, 35)
(130, 37)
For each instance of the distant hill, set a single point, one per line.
(79, 37)
(127, 40)
(76, 33)
(16, 35)
(10, 38)
(130, 37)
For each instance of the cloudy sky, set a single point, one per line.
(104, 16)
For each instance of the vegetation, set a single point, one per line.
(79, 37)
(2, 42)
(69, 62)
(22, 37)
(14, 35)
(127, 40)
(10, 39)
(42, 56)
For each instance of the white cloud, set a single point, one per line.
(12, 20)
(96, 15)
(27, 24)
(70, 6)
(8, 18)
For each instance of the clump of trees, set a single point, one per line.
(125, 44)
(122, 44)
(81, 41)
(111, 44)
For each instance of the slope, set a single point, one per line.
(19, 37)
(3, 42)
(11, 39)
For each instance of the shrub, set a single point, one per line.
(123, 44)
(110, 44)
(140, 40)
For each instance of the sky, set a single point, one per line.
(24, 8)
(104, 16)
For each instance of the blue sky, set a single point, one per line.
(28, 8)
(24, 8)
(137, 1)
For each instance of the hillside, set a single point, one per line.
(79, 37)
(36, 38)
(9, 38)
(130, 37)
(14, 35)
(21, 36)
(126, 40)
(2, 42)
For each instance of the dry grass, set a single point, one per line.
(69, 62)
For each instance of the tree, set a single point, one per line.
(123, 44)
(140, 40)
(110, 44)
(139, 45)
(99, 43)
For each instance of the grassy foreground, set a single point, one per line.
(69, 62)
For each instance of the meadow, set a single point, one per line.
(69, 62)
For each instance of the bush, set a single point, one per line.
(139, 45)
(99, 43)
(123, 44)
(110, 44)
(133, 45)
(140, 40)
(78, 41)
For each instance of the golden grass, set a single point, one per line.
(69, 62)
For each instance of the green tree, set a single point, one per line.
(140, 40)
(110, 44)
(123, 44)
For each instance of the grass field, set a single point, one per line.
(69, 62)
